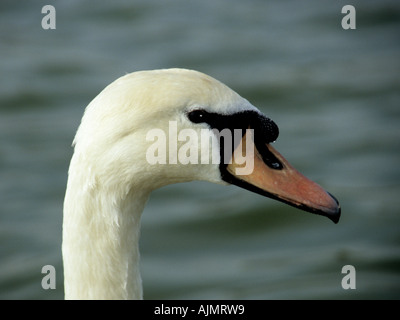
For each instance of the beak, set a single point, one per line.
(274, 177)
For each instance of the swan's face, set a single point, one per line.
(149, 129)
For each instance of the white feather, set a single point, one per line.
(110, 179)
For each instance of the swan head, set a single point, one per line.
(148, 129)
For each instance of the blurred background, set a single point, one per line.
(334, 93)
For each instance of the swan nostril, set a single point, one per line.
(268, 157)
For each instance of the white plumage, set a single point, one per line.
(110, 180)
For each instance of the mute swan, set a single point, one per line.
(110, 178)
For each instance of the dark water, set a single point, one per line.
(335, 95)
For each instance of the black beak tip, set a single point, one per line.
(334, 215)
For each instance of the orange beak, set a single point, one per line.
(274, 177)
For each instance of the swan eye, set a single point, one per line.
(197, 116)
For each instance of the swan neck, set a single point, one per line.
(101, 243)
